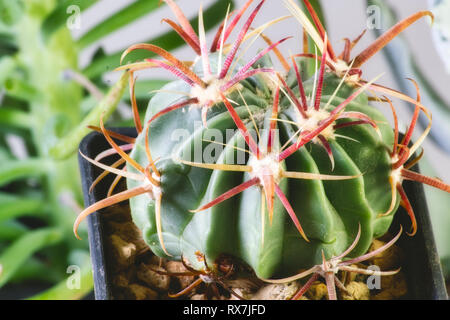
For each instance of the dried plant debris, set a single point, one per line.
(356, 291)
(276, 291)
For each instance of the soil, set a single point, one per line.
(139, 275)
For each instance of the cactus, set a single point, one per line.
(276, 171)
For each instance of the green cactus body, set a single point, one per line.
(330, 211)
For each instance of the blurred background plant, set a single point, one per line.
(56, 63)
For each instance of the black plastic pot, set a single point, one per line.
(422, 267)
